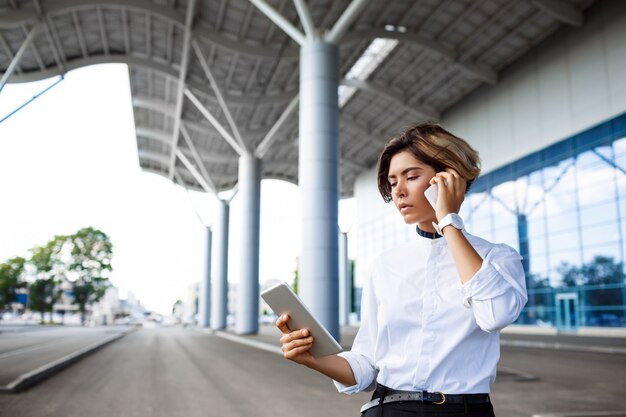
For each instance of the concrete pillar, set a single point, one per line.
(345, 281)
(319, 181)
(219, 302)
(204, 296)
(248, 286)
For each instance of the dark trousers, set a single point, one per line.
(419, 409)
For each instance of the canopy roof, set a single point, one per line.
(445, 50)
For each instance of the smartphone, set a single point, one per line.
(431, 195)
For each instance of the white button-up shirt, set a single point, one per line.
(421, 329)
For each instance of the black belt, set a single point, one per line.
(394, 396)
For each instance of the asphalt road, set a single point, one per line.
(179, 372)
(23, 349)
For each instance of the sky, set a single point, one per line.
(68, 160)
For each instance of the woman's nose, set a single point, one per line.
(400, 190)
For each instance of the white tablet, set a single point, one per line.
(283, 300)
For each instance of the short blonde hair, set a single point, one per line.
(433, 145)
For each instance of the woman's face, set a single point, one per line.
(409, 178)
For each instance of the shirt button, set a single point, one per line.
(468, 302)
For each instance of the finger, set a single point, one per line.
(452, 172)
(281, 323)
(297, 351)
(437, 179)
(297, 343)
(295, 335)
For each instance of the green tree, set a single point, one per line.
(600, 271)
(47, 268)
(44, 293)
(90, 252)
(11, 279)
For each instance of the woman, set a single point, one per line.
(432, 309)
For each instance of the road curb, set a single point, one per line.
(35, 376)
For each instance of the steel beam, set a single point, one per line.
(345, 20)
(561, 11)
(193, 171)
(196, 157)
(216, 124)
(280, 21)
(220, 98)
(267, 141)
(305, 19)
(182, 76)
(18, 55)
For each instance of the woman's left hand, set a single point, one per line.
(451, 192)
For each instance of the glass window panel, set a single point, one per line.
(560, 186)
(537, 211)
(539, 266)
(536, 178)
(563, 222)
(483, 232)
(552, 172)
(599, 214)
(478, 209)
(586, 159)
(559, 203)
(619, 146)
(521, 191)
(593, 236)
(564, 241)
(608, 249)
(605, 151)
(537, 246)
(571, 258)
(622, 207)
(504, 191)
(503, 217)
(507, 235)
(527, 194)
(596, 186)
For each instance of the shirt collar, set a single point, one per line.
(427, 235)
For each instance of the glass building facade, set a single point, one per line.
(564, 209)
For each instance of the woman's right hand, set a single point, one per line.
(295, 344)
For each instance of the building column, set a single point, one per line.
(204, 295)
(219, 302)
(345, 281)
(247, 320)
(319, 181)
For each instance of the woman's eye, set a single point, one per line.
(412, 178)
(392, 184)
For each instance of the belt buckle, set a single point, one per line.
(443, 398)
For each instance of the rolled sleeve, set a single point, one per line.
(364, 374)
(497, 292)
(362, 356)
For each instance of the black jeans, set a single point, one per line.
(419, 409)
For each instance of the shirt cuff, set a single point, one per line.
(364, 374)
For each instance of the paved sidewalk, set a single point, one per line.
(269, 335)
